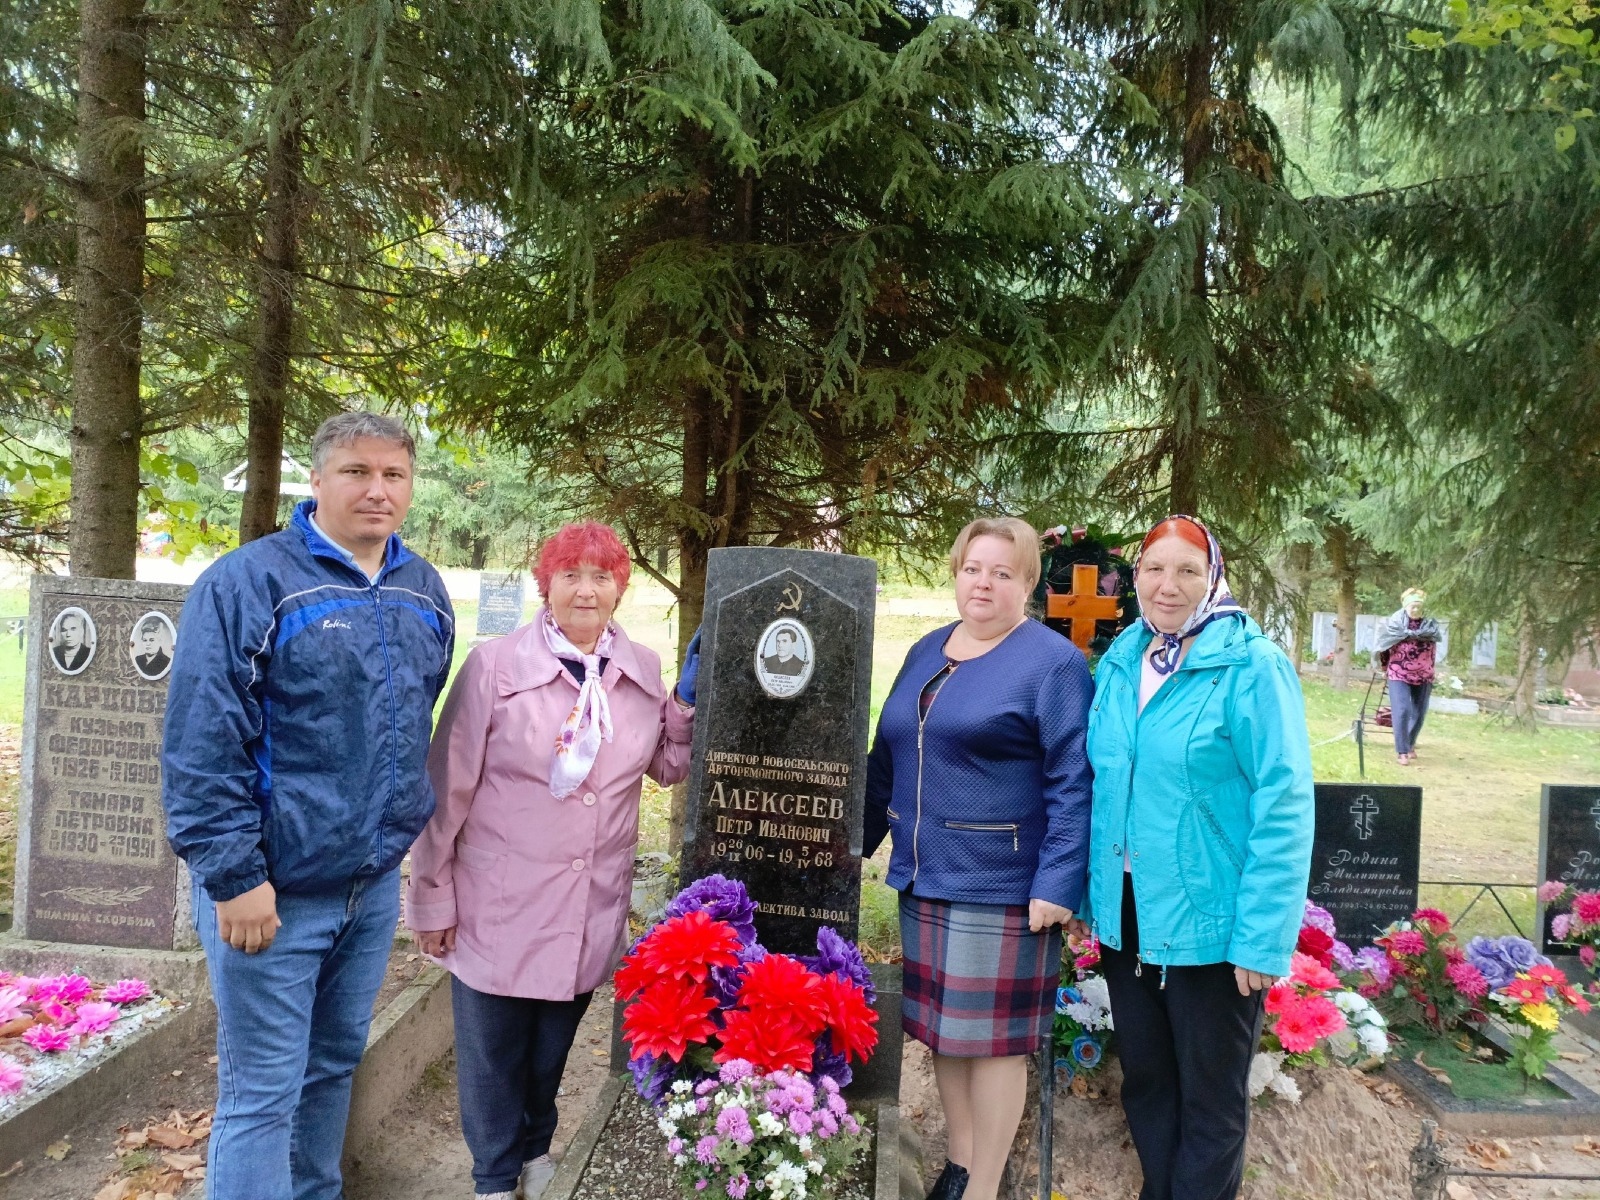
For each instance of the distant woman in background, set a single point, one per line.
(979, 772)
(1406, 645)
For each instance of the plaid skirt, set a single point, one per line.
(978, 983)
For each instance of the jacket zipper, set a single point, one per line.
(986, 828)
(922, 724)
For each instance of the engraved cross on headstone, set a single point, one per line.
(1365, 811)
(1595, 813)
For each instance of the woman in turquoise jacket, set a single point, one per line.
(1199, 849)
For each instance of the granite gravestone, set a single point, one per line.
(500, 600)
(778, 775)
(1569, 845)
(93, 865)
(1366, 856)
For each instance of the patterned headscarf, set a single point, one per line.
(589, 722)
(1218, 600)
(1410, 594)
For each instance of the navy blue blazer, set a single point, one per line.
(992, 805)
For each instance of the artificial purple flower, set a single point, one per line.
(1376, 963)
(652, 1077)
(831, 1068)
(827, 1124)
(836, 954)
(734, 1070)
(738, 1186)
(705, 1150)
(725, 899)
(799, 1122)
(674, 1145)
(1320, 918)
(734, 1123)
(706, 1086)
(851, 1125)
(701, 1185)
(1502, 959)
(836, 1105)
(1561, 925)
(1343, 957)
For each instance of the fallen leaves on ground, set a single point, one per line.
(1436, 1072)
(58, 1150)
(1587, 1145)
(159, 1159)
(1489, 1155)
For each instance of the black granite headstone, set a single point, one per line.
(1366, 857)
(499, 602)
(1569, 845)
(778, 777)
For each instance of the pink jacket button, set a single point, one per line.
(577, 864)
(589, 799)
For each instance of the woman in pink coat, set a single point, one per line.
(520, 883)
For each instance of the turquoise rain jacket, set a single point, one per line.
(1208, 792)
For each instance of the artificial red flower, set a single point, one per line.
(1433, 919)
(1322, 1016)
(1294, 1029)
(687, 947)
(780, 986)
(632, 977)
(851, 1020)
(1280, 996)
(1542, 973)
(1573, 997)
(668, 1017)
(1467, 980)
(767, 1041)
(1404, 943)
(1586, 907)
(1453, 953)
(1307, 971)
(1317, 943)
(1524, 991)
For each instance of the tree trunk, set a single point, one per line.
(107, 417)
(275, 275)
(693, 548)
(1341, 557)
(1522, 699)
(1188, 449)
(1299, 564)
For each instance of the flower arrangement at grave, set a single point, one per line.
(1312, 1018)
(1579, 924)
(717, 1026)
(1425, 977)
(1532, 1004)
(1083, 1027)
(43, 1018)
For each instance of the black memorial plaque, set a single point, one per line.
(1366, 857)
(778, 777)
(1569, 846)
(500, 600)
(93, 862)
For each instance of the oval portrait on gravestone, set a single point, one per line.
(785, 657)
(72, 640)
(150, 645)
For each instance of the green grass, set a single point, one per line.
(1473, 1077)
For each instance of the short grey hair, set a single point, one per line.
(350, 427)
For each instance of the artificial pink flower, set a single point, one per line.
(1467, 980)
(1561, 925)
(12, 1077)
(1280, 996)
(1322, 1016)
(127, 991)
(57, 1013)
(1550, 891)
(1407, 943)
(1586, 955)
(1308, 972)
(47, 1040)
(1586, 907)
(1294, 1029)
(95, 1016)
(43, 988)
(1433, 919)
(11, 1002)
(72, 989)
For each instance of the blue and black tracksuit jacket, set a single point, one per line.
(299, 713)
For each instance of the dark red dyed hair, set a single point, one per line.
(1185, 527)
(582, 542)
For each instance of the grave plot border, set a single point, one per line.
(1579, 1114)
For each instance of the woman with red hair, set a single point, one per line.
(520, 883)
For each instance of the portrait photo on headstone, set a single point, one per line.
(72, 640)
(151, 643)
(785, 658)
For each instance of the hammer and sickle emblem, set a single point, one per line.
(791, 598)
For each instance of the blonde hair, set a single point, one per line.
(1022, 536)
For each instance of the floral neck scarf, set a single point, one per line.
(1218, 602)
(589, 722)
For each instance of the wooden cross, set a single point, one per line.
(1084, 606)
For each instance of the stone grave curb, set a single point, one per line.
(1563, 1118)
(899, 1168)
(180, 974)
(129, 1067)
(414, 1031)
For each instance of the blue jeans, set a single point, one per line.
(510, 1054)
(1408, 708)
(291, 1027)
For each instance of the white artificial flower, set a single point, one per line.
(682, 1086)
(803, 1143)
(668, 1129)
(769, 1124)
(1373, 1040)
(1344, 1044)
(1351, 1002)
(1287, 1088)
(680, 1160)
(1264, 1067)
(815, 1166)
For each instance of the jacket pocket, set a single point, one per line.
(988, 827)
(480, 897)
(1209, 865)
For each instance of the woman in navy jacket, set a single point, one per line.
(980, 774)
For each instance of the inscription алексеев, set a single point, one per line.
(500, 599)
(1569, 845)
(777, 781)
(93, 862)
(1366, 857)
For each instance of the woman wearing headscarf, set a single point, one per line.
(1199, 855)
(520, 882)
(1406, 644)
(979, 773)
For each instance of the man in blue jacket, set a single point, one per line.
(299, 712)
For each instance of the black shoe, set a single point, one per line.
(950, 1185)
